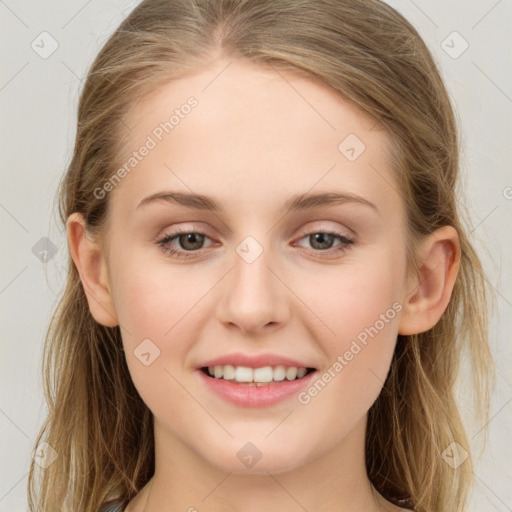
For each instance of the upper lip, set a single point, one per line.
(254, 361)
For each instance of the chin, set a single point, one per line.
(250, 460)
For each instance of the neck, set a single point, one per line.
(337, 480)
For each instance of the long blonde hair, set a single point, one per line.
(97, 423)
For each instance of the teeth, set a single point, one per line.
(257, 375)
(228, 372)
(242, 374)
(264, 374)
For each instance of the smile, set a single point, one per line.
(256, 376)
(250, 391)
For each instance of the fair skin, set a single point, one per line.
(251, 143)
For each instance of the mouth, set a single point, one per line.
(263, 376)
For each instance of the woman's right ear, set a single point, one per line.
(89, 260)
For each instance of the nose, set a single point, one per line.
(253, 296)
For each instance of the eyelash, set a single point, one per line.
(166, 248)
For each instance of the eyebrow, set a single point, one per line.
(295, 203)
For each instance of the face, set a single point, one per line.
(316, 282)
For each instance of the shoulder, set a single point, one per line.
(114, 506)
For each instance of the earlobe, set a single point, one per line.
(89, 260)
(430, 289)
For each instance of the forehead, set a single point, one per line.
(262, 131)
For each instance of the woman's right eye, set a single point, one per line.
(192, 239)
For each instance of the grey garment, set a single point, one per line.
(112, 507)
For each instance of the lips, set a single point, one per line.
(245, 394)
(258, 380)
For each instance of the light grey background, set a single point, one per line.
(38, 100)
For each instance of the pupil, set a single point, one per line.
(190, 238)
(323, 239)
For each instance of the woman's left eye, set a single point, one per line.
(192, 241)
(323, 241)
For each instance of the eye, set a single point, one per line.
(190, 241)
(322, 241)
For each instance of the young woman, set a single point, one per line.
(270, 287)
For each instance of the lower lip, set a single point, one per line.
(245, 395)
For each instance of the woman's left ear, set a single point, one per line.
(429, 291)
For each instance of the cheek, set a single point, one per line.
(359, 307)
(152, 299)
(352, 296)
(158, 307)
(157, 315)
